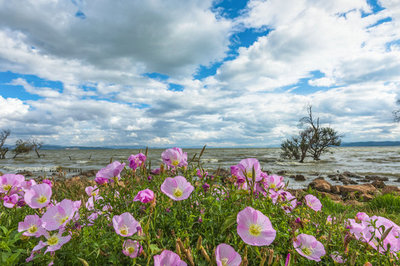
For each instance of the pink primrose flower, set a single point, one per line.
(136, 161)
(111, 171)
(58, 216)
(245, 169)
(125, 224)
(308, 246)
(174, 157)
(226, 255)
(177, 188)
(10, 183)
(38, 196)
(169, 258)
(56, 241)
(131, 248)
(274, 182)
(254, 227)
(144, 196)
(31, 226)
(337, 257)
(92, 191)
(10, 201)
(26, 185)
(313, 202)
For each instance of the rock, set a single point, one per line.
(292, 176)
(335, 189)
(361, 189)
(398, 180)
(332, 176)
(353, 203)
(332, 196)
(363, 180)
(282, 172)
(345, 182)
(87, 174)
(299, 178)
(365, 197)
(352, 175)
(378, 184)
(25, 173)
(375, 177)
(353, 182)
(390, 189)
(320, 184)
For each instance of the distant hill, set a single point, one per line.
(371, 144)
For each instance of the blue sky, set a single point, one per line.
(172, 73)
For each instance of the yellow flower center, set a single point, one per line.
(7, 187)
(131, 250)
(306, 251)
(249, 175)
(272, 185)
(124, 230)
(32, 229)
(63, 220)
(175, 162)
(255, 230)
(178, 193)
(53, 240)
(42, 199)
(224, 261)
(94, 193)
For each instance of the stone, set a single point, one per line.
(365, 197)
(320, 184)
(375, 177)
(361, 189)
(333, 197)
(352, 175)
(335, 189)
(390, 189)
(281, 172)
(299, 178)
(25, 173)
(398, 180)
(378, 184)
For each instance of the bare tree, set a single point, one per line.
(396, 113)
(36, 146)
(3, 136)
(22, 146)
(312, 141)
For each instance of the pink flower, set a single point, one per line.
(245, 169)
(226, 255)
(274, 182)
(111, 172)
(169, 258)
(287, 201)
(92, 191)
(59, 215)
(337, 257)
(48, 182)
(10, 183)
(31, 226)
(313, 202)
(136, 161)
(362, 216)
(309, 247)
(131, 248)
(10, 201)
(201, 173)
(254, 227)
(55, 241)
(125, 224)
(177, 188)
(144, 196)
(38, 196)
(174, 157)
(26, 185)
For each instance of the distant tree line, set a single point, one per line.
(21, 146)
(312, 141)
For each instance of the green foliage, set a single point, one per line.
(200, 223)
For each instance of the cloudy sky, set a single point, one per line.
(223, 73)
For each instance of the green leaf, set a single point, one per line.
(229, 221)
(154, 249)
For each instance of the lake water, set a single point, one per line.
(381, 161)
